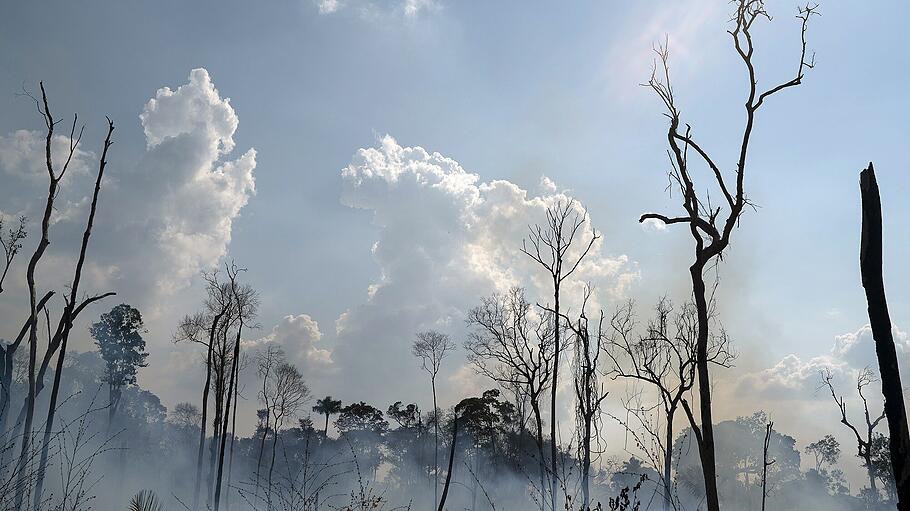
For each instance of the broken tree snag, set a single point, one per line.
(870, 263)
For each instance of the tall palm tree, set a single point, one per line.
(328, 407)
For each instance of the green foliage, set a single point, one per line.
(361, 417)
(826, 451)
(118, 335)
(486, 416)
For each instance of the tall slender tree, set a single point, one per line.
(664, 358)
(327, 407)
(590, 345)
(431, 348)
(203, 328)
(55, 172)
(551, 246)
(513, 346)
(118, 335)
(245, 305)
(711, 225)
(67, 322)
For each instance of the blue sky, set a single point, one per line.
(510, 91)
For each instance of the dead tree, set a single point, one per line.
(55, 173)
(711, 225)
(864, 445)
(766, 463)
(870, 262)
(245, 304)
(54, 182)
(12, 244)
(448, 482)
(590, 345)
(68, 317)
(513, 347)
(266, 361)
(6, 381)
(549, 245)
(431, 348)
(289, 393)
(664, 357)
(203, 328)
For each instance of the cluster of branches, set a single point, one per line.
(230, 306)
(30, 481)
(711, 224)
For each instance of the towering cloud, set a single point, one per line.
(446, 239)
(191, 191)
(162, 217)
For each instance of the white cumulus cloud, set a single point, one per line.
(298, 336)
(794, 378)
(446, 239)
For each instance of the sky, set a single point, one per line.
(375, 164)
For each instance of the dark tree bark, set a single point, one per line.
(766, 463)
(513, 349)
(6, 382)
(224, 431)
(445, 488)
(870, 262)
(710, 229)
(863, 440)
(68, 319)
(549, 246)
(54, 178)
(431, 348)
(200, 455)
(589, 392)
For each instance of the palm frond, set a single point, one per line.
(145, 500)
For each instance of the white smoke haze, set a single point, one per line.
(396, 155)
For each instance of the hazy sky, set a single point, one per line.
(376, 165)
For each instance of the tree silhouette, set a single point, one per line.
(711, 225)
(549, 246)
(118, 336)
(431, 348)
(328, 407)
(514, 347)
(866, 437)
(870, 261)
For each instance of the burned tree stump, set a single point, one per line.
(870, 262)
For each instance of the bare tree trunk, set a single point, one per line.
(706, 445)
(216, 432)
(205, 400)
(33, 300)
(668, 462)
(554, 475)
(68, 319)
(272, 464)
(535, 407)
(7, 438)
(586, 469)
(445, 488)
(227, 497)
(435, 442)
(265, 433)
(227, 412)
(765, 465)
(874, 285)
